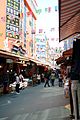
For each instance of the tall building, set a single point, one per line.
(28, 25)
(41, 44)
(42, 48)
(18, 26)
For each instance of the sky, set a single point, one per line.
(49, 20)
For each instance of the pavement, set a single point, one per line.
(61, 112)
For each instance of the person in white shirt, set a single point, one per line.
(52, 77)
(21, 77)
(38, 78)
(17, 84)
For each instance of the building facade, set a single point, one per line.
(42, 49)
(17, 35)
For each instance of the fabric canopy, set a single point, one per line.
(63, 59)
(69, 18)
(68, 53)
(60, 60)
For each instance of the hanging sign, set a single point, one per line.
(9, 61)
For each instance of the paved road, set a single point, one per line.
(34, 103)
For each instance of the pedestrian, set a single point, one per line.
(42, 77)
(46, 78)
(52, 78)
(38, 78)
(34, 81)
(21, 77)
(5, 83)
(60, 80)
(17, 84)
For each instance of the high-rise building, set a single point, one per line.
(18, 26)
(42, 49)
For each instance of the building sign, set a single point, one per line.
(18, 50)
(9, 61)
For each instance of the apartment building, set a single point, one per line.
(18, 26)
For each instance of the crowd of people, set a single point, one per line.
(47, 77)
(51, 76)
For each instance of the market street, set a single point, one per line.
(35, 103)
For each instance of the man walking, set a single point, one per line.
(46, 79)
(52, 77)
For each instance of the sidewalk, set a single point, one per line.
(68, 106)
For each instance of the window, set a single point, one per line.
(16, 13)
(12, 4)
(8, 27)
(17, 29)
(8, 4)
(16, 21)
(12, 10)
(12, 21)
(16, 37)
(8, 0)
(10, 35)
(18, 0)
(6, 34)
(8, 19)
(12, 1)
(14, 29)
(11, 28)
(15, 7)
(8, 9)
(19, 7)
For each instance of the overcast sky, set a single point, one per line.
(46, 20)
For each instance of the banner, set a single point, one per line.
(47, 10)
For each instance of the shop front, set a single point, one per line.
(6, 70)
(65, 60)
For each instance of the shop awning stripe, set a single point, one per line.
(69, 18)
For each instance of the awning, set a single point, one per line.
(68, 53)
(7, 54)
(60, 60)
(13, 56)
(65, 57)
(69, 18)
(20, 63)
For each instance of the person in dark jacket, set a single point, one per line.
(5, 83)
(46, 78)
